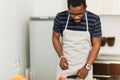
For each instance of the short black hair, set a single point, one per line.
(75, 3)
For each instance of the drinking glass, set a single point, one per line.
(30, 74)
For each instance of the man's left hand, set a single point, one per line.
(82, 73)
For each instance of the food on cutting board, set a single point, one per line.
(61, 78)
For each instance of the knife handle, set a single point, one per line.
(72, 76)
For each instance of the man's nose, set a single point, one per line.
(77, 17)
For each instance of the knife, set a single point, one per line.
(72, 76)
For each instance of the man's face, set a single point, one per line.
(77, 13)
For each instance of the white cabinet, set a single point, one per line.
(104, 7)
(111, 7)
(95, 6)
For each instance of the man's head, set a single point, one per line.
(77, 9)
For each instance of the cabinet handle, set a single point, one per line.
(103, 76)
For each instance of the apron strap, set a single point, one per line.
(67, 21)
(86, 21)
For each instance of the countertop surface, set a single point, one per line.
(108, 59)
(107, 62)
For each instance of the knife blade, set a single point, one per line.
(72, 76)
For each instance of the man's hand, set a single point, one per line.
(63, 63)
(82, 73)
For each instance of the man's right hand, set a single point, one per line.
(63, 63)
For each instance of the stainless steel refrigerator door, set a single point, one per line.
(43, 57)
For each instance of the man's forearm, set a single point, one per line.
(57, 46)
(94, 52)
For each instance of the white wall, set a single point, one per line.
(48, 7)
(14, 15)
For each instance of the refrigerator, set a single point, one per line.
(43, 57)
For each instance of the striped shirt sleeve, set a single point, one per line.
(96, 31)
(56, 25)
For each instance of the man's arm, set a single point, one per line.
(57, 44)
(58, 47)
(82, 73)
(96, 43)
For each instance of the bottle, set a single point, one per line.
(18, 66)
(18, 69)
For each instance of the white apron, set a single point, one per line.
(76, 46)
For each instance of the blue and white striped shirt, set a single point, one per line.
(94, 23)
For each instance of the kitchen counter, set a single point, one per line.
(108, 58)
(107, 62)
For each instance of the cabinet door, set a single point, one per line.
(111, 7)
(104, 7)
(95, 6)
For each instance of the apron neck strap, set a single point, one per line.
(67, 21)
(86, 21)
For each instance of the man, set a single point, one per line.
(78, 28)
